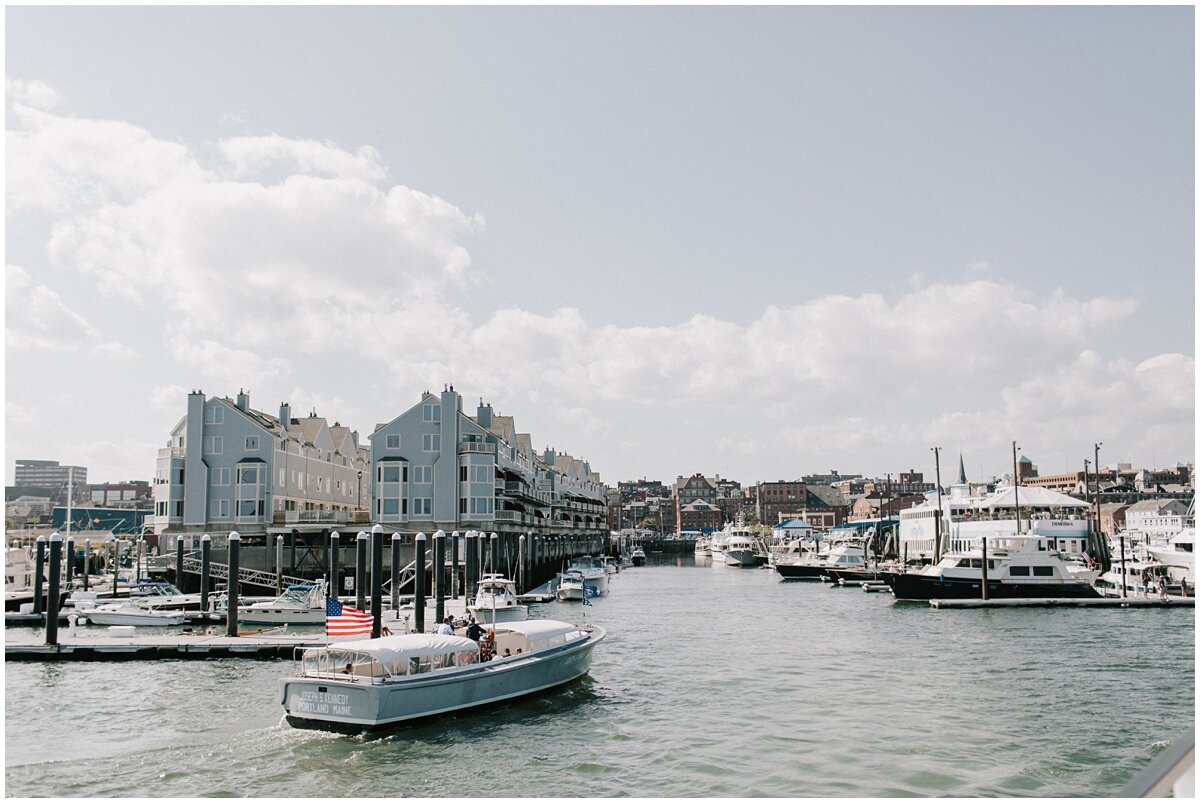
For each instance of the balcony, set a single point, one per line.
(320, 517)
(476, 447)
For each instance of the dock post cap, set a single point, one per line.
(41, 539)
(362, 535)
(454, 534)
(378, 528)
(334, 534)
(471, 533)
(494, 536)
(206, 537)
(54, 537)
(522, 538)
(396, 535)
(420, 536)
(440, 534)
(235, 536)
(279, 538)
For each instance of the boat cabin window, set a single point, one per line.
(1018, 571)
(1043, 571)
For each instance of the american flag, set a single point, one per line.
(342, 620)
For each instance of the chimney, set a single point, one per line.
(285, 415)
(243, 400)
(484, 414)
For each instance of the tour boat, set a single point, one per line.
(126, 613)
(1019, 566)
(738, 551)
(496, 601)
(638, 556)
(702, 549)
(298, 605)
(353, 686)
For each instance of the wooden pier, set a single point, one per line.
(154, 647)
(1082, 602)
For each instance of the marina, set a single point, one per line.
(631, 726)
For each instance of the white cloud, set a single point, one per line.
(35, 317)
(228, 366)
(36, 94)
(251, 155)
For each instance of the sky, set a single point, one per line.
(751, 242)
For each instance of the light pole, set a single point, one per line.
(358, 489)
(1096, 465)
(1016, 483)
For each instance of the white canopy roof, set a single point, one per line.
(535, 629)
(1028, 495)
(410, 645)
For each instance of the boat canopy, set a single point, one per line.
(538, 629)
(1028, 496)
(410, 645)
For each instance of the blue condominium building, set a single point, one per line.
(229, 467)
(435, 467)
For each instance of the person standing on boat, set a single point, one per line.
(1162, 587)
(474, 631)
(446, 628)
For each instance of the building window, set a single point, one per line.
(391, 507)
(219, 509)
(423, 506)
(393, 442)
(249, 508)
(214, 415)
(251, 443)
(219, 476)
(431, 412)
(214, 444)
(431, 443)
(389, 472)
(248, 475)
(423, 474)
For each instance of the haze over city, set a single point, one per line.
(754, 242)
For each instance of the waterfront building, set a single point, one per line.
(685, 491)
(230, 467)
(1157, 519)
(50, 475)
(1112, 517)
(435, 467)
(820, 505)
(133, 494)
(702, 516)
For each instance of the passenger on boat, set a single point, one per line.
(474, 631)
(446, 628)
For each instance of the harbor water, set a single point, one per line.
(713, 681)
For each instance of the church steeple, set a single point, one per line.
(962, 471)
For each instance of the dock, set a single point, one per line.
(185, 646)
(1082, 602)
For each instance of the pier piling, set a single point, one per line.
(454, 539)
(231, 613)
(53, 600)
(419, 582)
(335, 549)
(278, 565)
(521, 564)
(439, 575)
(396, 574)
(360, 571)
(87, 563)
(983, 546)
(69, 559)
(472, 563)
(205, 569)
(1124, 587)
(178, 563)
(116, 564)
(39, 571)
(376, 580)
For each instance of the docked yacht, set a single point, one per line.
(571, 585)
(593, 572)
(298, 605)
(496, 601)
(638, 556)
(126, 613)
(1178, 556)
(848, 555)
(702, 544)
(1019, 566)
(739, 551)
(358, 685)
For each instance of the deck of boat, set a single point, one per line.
(87, 647)
(1067, 602)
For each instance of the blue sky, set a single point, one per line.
(759, 242)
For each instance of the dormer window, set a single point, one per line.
(431, 412)
(214, 415)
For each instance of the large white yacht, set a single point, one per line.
(965, 519)
(496, 601)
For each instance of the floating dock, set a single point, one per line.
(185, 646)
(1083, 602)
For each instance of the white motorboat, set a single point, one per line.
(496, 601)
(702, 550)
(357, 685)
(162, 596)
(739, 551)
(845, 556)
(1178, 555)
(570, 585)
(126, 613)
(638, 556)
(1019, 566)
(594, 574)
(298, 605)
